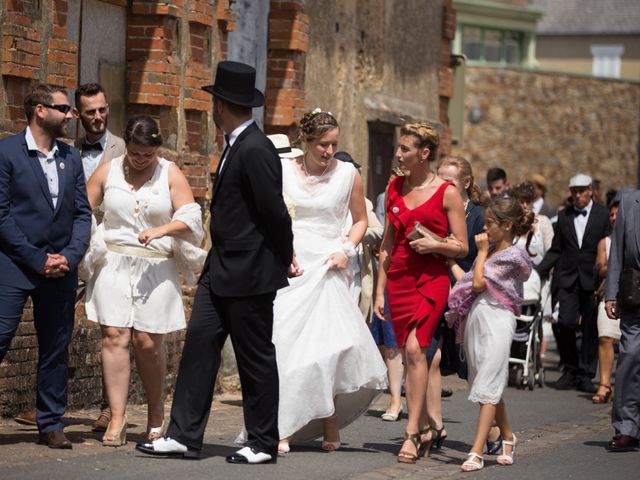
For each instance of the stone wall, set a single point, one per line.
(552, 124)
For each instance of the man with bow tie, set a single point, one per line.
(572, 256)
(98, 145)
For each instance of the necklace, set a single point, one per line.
(424, 184)
(304, 165)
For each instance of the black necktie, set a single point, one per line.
(581, 212)
(86, 147)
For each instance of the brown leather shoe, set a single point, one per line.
(55, 439)
(26, 418)
(623, 443)
(102, 422)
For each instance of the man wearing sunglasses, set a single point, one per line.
(45, 226)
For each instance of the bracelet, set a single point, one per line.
(349, 249)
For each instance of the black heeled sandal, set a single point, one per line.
(439, 438)
(494, 446)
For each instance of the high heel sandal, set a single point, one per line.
(119, 438)
(439, 438)
(404, 456)
(283, 446)
(328, 446)
(425, 445)
(156, 432)
(505, 459)
(598, 399)
(473, 463)
(494, 446)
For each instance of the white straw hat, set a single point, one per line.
(281, 142)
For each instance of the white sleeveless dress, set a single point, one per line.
(136, 286)
(323, 346)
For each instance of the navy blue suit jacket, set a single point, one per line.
(30, 226)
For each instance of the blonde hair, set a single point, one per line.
(464, 171)
(426, 137)
(314, 125)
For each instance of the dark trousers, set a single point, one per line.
(249, 322)
(53, 314)
(626, 401)
(576, 303)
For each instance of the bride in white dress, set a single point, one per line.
(329, 366)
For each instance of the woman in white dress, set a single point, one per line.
(133, 288)
(329, 366)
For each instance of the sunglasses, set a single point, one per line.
(59, 107)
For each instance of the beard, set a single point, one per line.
(94, 130)
(56, 129)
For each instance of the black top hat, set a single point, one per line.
(346, 157)
(235, 83)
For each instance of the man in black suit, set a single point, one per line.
(572, 256)
(249, 261)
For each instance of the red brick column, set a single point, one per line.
(445, 77)
(288, 45)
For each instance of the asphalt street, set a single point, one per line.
(561, 435)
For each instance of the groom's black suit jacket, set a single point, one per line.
(250, 224)
(570, 261)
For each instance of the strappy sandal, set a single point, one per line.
(439, 438)
(156, 432)
(425, 445)
(405, 456)
(494, 446)
(599, 399)
(505, 459)
(473, 463)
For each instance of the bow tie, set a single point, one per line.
(91, 146)
(581, 212)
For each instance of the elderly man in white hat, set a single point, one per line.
(572, 256)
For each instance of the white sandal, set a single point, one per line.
(473, 463)
(505, 459)
(155, 433)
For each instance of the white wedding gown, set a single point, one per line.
(324, 348)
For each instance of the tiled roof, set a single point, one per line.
(588, 17)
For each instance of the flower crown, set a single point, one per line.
(318, 110)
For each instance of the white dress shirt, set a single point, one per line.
(537, 205)
(48, 164)
(580, 222)
(91, 158)
(232, 138)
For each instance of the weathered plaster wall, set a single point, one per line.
(373, 60)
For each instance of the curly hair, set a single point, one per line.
(314, 125)
(524, 192)
(426, 136)
(508, 209)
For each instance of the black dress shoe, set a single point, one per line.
(55, 439)
(623, 443)
(446, 392)
(567, 381)
(249, 455)
(585, 384)
(147, 447)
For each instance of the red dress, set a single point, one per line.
(417, 284)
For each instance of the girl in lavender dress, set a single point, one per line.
(482, 306)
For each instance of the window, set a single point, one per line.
(606, 60)
(492, 45)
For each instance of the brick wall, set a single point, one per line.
(172, 49)
(552, 124)
(288, 44)
(445, 74)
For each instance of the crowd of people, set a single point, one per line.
(305, 278)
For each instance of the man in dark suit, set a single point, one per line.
(249, 261)
(45, 225)
(572, 256)
(625, 255)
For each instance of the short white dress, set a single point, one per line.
(488, 334)
(606, 326)
(135, 286)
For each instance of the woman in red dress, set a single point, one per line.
(415, 272)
